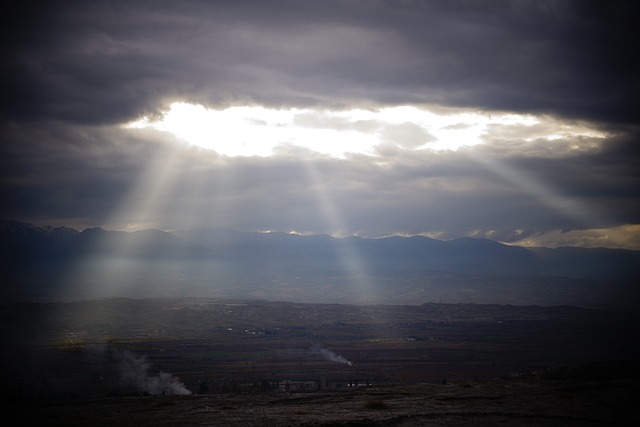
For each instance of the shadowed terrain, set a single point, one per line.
(243, 362)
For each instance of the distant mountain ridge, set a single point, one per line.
(212, 262)
(60, 241)
(462, 255)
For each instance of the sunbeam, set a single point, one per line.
(575, 211)
(358, 274)
(127, 262)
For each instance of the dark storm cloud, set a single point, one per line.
(57, 172)
(73, 71)
(102, 62)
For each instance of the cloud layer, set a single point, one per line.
(78, 71)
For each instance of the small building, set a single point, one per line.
(289, 385)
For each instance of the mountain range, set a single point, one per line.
(61, 263)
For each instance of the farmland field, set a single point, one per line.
(79, 357)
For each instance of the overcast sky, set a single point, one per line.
(511, 120)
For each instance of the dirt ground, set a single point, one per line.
(504, 402)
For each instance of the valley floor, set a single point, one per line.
(262, 363)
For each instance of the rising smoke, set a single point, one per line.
(134, 370)
(329, 355)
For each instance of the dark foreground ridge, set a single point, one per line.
(538, 402)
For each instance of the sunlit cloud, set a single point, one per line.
(261, 131)
(623, 236)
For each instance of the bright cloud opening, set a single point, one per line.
(260, 131)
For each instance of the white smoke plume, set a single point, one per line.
(329, 355)
(134, 370)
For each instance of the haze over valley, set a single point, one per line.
(62, 263)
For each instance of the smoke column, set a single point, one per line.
(329, 355)
(134, 370)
